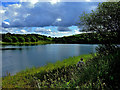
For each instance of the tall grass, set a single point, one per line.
(100, 73)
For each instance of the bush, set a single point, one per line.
(106, 49)
(100, 72)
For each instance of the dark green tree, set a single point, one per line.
(7, 39)
(27, 39)
(21, 39)
(33, 39)
(14, 39)
(104, 20)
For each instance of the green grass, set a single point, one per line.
(26, 43)
(98, 72)
(56, 72)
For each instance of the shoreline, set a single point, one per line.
(26, 43)
(43, 42)
(71, 61)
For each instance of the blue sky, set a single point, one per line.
(53, 18)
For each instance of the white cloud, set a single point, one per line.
(54, 1)
(88, 0)
(15, 13)
(2, 11)
(59, 34)
(44, 14)
(6, 22)
(11, 30)
(58, 20)
(23, 31)
(42, 30)
(34, 1)
(15, 5)
(77, 32)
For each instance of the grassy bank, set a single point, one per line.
(98, 72)
(30, 77)
(26, 43)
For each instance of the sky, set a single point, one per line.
(54, 18)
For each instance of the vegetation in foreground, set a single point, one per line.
(99, 72)
(47, 76)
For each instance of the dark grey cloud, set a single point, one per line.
(46, 14)
(64, 29)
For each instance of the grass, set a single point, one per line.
(26, 43)
(50, 75)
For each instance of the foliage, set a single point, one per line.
(105, 18)
(86, 38)
(7, 39)
(90, 38)
(27, 39)
(14, 39)
(100, 72)
(21, 38)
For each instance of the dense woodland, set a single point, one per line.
(13, 38)
(85, 38)
(90, 38)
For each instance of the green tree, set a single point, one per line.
(27, 39)
(106, 18)
(14, 39)
(21, 39)
(7, 39)
(33, 39)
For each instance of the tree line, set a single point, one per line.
(90, 38)
(85, 38)
(13, 38)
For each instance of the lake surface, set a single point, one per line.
(17, 58)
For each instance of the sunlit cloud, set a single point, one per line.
(88, 0)
(34, 1)
(54, 1)
(23, 31)
(58, 20)
(6, 22)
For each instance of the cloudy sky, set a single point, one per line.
(54, 18)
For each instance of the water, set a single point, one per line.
(17, 58)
